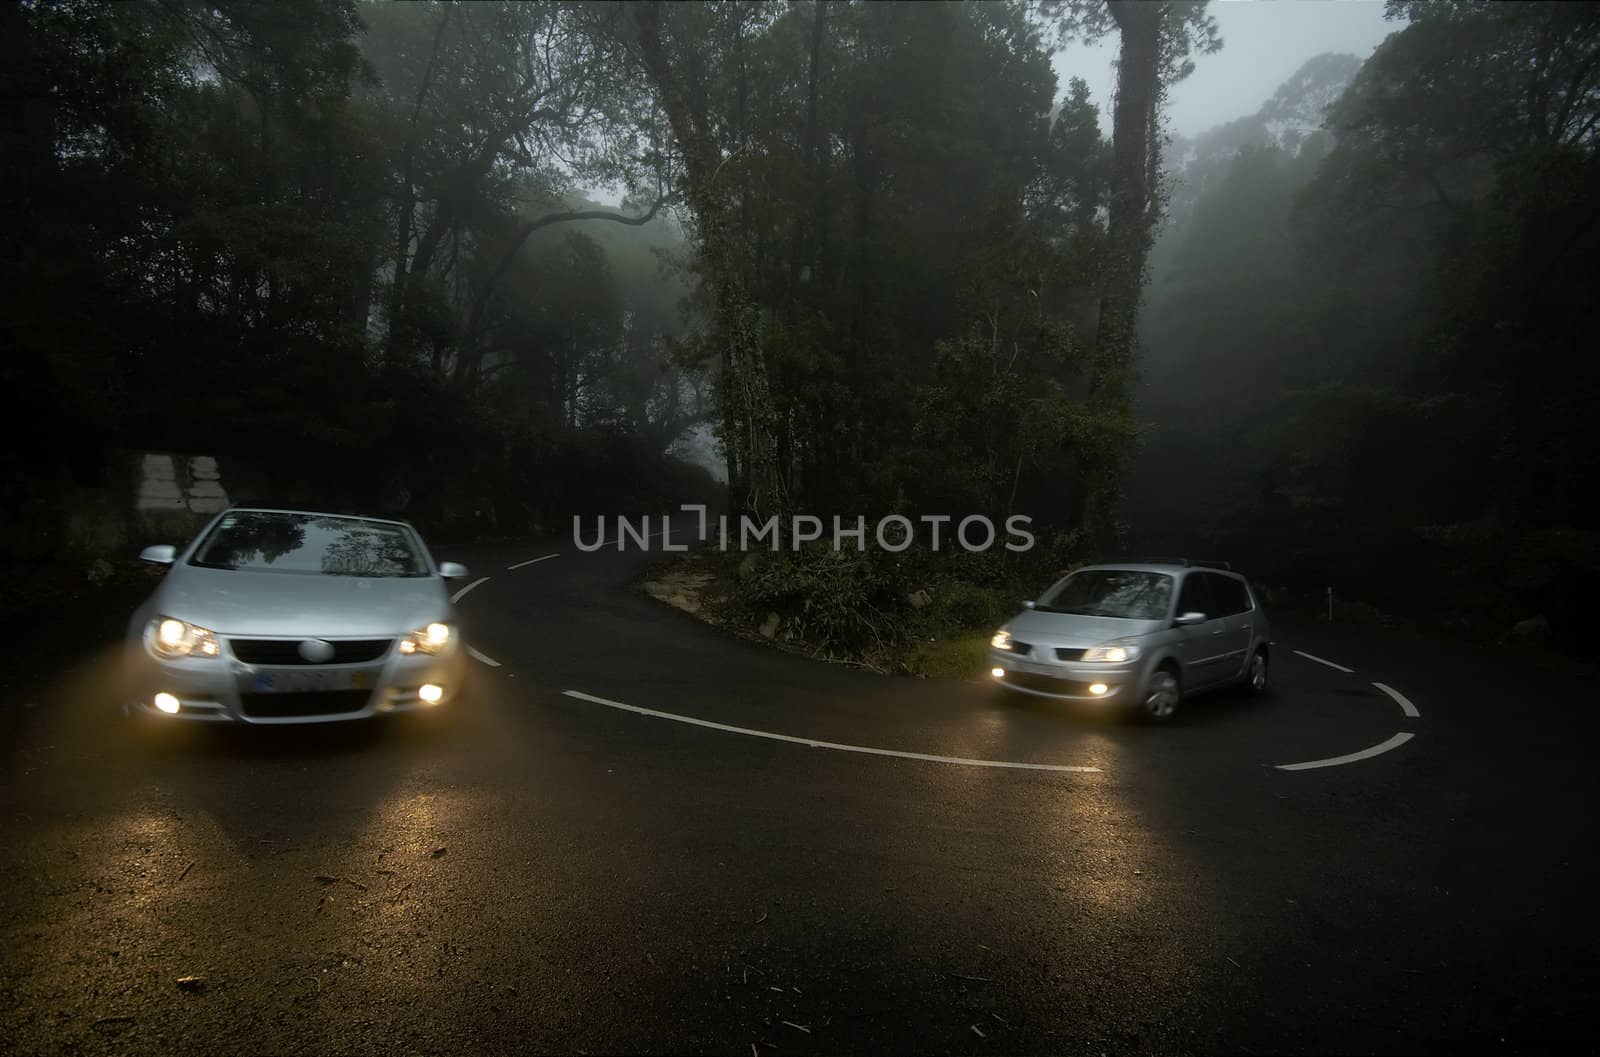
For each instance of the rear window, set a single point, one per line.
(273, 541)
(1122, 593)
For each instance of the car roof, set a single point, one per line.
(312, 513)
(1168, 567)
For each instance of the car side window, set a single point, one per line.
(1229, 595)
(1196, 596)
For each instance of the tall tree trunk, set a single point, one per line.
(748, 420)
(1134, 158)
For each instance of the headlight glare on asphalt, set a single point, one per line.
(1112, 652)
(171, 638)
(431, 639)
(1001, 640)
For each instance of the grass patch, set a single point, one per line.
(963, 658)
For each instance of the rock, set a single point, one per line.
(749, 565)
(1535, 629)
(918, 599)
(769, 627)
(100, 571)
(191, 983)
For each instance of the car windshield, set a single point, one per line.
(1123, 593)
(275, 541)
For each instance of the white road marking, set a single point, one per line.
(532, 561)
(828, 744)
(480, 658)
(1319, 660)
(459, 595)
(1400, 699)
(1365, 754)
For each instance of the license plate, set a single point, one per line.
(289, 682)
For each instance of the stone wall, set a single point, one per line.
(147, 497)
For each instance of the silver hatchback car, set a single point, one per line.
(290, 616)
(1142, 634)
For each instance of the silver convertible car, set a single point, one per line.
(1143, 635)
(289, 616)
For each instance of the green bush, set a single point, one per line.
(841, 602)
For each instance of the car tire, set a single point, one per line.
(1162, 695)
(1256, 677)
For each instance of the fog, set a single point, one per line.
(1263, 42)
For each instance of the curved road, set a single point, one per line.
(542, 870)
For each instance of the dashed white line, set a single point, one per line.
(481, 659)
(1365, 754)
(1400, 699)
(459, 595)
(812, 743)
(1319, 660)
(532, 561)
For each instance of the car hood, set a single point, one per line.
(1073, 630)
(240, 603)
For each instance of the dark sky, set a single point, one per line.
(1263, 42)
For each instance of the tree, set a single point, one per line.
(681, 48)
(1157, 40)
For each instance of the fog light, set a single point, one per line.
(998, 673)
(1097, 688)
(430, 693)
(166, 703)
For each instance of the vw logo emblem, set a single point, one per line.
(316, 651)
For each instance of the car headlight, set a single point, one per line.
(1001, 640)
(431, 639)
(1112, 652)
(170, 637)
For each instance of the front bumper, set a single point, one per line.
(226, 690)
(1066, 680)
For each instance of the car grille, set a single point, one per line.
(309, 703)
(1046, 684)
(1070, 655)
(287, 651)
(1021, 649)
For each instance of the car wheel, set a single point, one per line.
(1255, 678)
(1162, 695)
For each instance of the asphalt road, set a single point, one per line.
(534, 871)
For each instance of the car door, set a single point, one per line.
(1232, 633)
(1200, 646)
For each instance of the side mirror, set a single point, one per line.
(159, 554)
(452, 570)
(1186, 619)
(1028, 604)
